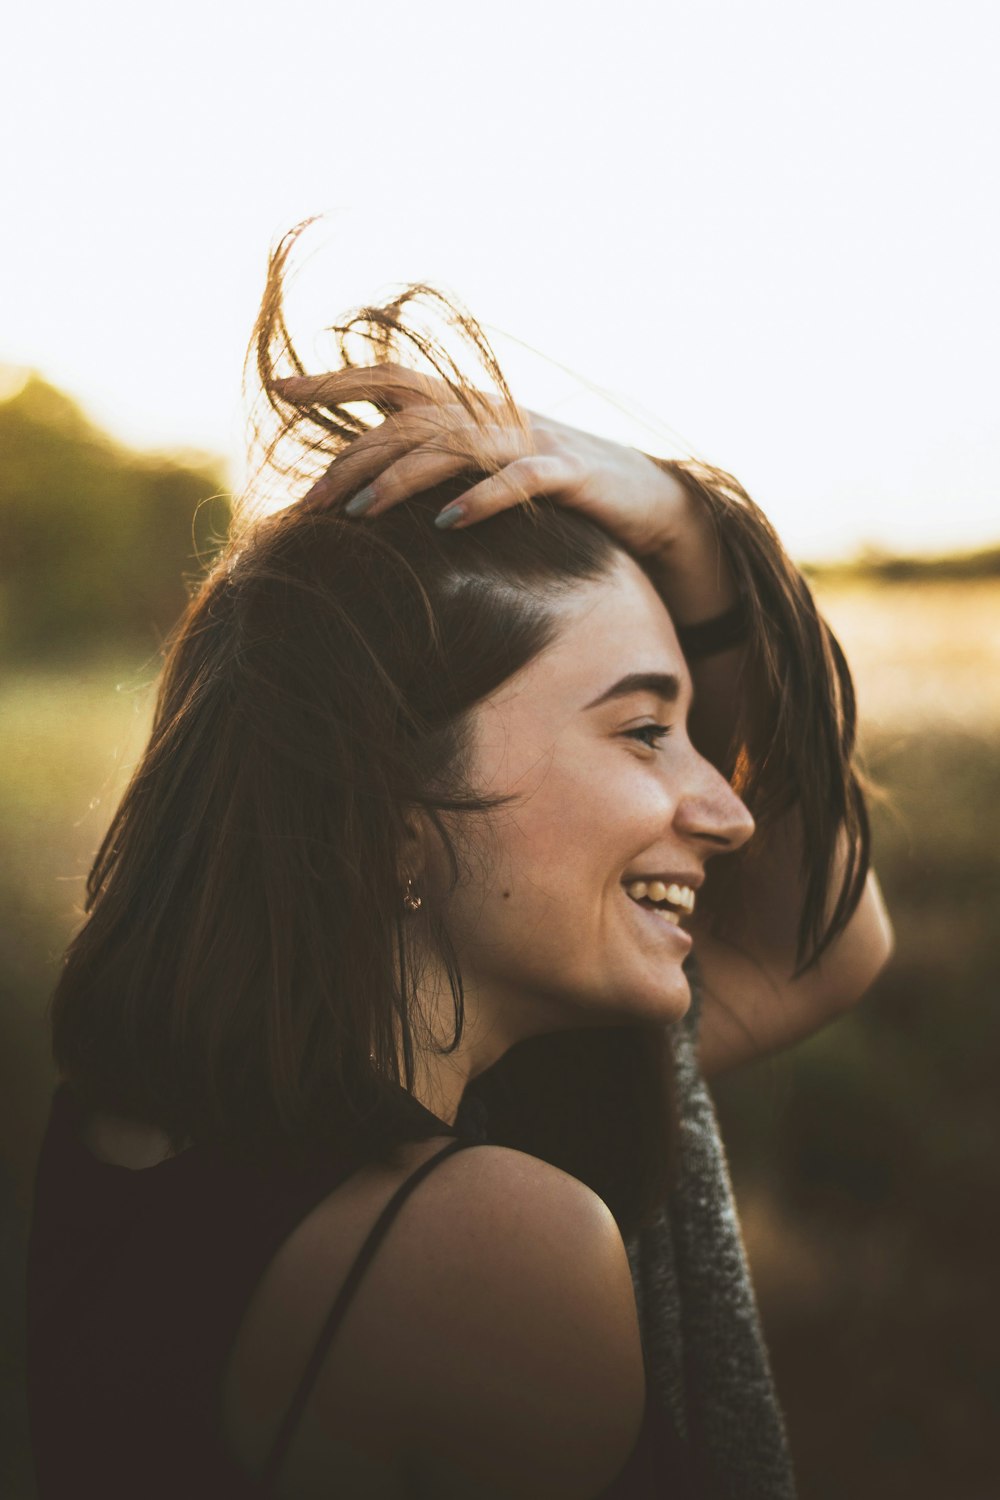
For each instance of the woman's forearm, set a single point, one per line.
(750, 1004)
(748, 955)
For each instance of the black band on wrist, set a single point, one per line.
(731, 628)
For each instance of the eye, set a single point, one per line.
(655, 733)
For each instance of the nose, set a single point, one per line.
(710, 811)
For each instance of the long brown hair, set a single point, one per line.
(246, 964)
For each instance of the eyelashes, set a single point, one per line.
(656, 732)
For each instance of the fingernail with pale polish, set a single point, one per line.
(449, 516)
(362, 501)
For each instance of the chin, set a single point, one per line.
(669, 1006)
(658, 1001)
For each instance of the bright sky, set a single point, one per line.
(772, 230)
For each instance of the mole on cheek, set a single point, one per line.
(506, 895)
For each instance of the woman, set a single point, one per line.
(487, 781)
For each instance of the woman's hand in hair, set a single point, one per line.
(433, 433)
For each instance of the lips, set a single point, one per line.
(660, 922)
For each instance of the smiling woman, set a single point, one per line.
(422, 856)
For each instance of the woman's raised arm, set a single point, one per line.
(751, 1003)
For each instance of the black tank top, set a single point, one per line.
(137, 1284)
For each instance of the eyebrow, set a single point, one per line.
(664, 685)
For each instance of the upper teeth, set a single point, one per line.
(677, 895)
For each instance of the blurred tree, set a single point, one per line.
(95, 539)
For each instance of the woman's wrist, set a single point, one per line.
(721, 633)
(690, 567)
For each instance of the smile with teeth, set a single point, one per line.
(656, 893)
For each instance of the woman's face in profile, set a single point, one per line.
(543, 924)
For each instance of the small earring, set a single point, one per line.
(411, 901)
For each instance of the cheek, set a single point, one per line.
(583, 828)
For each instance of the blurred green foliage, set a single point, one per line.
(873, 566)
(95, 539)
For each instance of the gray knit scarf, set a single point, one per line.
(700, 1327)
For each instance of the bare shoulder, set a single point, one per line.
(490, 1350)
(517, 1368)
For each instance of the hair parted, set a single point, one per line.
(245, 950)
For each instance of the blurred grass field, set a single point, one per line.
(865, 1160)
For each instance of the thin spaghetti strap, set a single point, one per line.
(280, 1446)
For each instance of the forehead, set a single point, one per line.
(607, 629)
